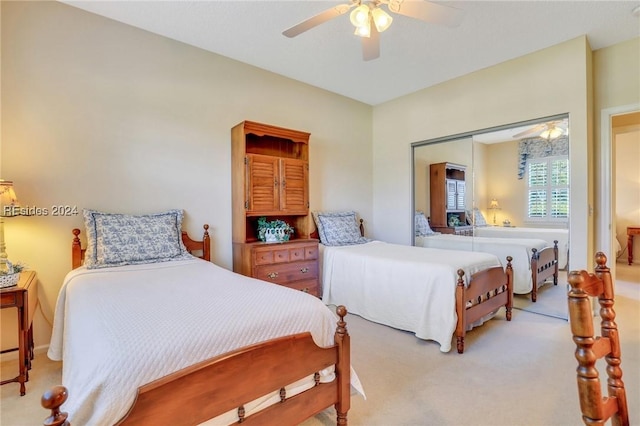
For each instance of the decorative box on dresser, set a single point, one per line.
(447, 192)
(270, 178)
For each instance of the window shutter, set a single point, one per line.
(548, 189)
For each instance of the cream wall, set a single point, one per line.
(616, 86)
(97, 114)
(549, 82)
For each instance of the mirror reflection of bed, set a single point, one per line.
(516, 199)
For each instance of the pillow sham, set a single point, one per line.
(119, 239)
(421, 225)
(477, 219)
(338, 228)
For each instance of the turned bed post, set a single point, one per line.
(206, 240)
(76, 250)
(52, 400)
(343, 368)
(557, 266)
(461, 310)
(509, 272)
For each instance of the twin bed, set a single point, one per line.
(183, 341)
(436, 294)
(147, 339)
(536, 261)
(533, 260)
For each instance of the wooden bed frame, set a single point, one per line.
(544, 264)
(488, 291)
(202, 391)
(193, 246)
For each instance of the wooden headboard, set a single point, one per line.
(203, 246)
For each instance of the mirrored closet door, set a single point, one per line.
(503, 190)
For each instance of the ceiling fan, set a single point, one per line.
(548, 130)
(370, 19)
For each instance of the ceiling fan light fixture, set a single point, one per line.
(552, 133)
(360, 15)
(381, 19)
(363, 30)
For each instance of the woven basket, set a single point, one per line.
(9, 280)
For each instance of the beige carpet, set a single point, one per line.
(512, 373)
(551, 300)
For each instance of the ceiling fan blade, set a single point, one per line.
(371, 45)
(427, 11)
(318, 19)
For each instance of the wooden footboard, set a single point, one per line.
(544, 264)
(487, 291)
(203, 391)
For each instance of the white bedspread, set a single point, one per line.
(119, 328)
(405, 287)
(547, 234)
(518, 248)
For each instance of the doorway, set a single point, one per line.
(619, 184)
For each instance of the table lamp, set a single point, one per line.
(494, 206)
(8, 207)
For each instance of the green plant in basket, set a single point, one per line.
(274, 230)
(10, 277)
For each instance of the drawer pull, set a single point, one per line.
(304, 270)
(272, 275)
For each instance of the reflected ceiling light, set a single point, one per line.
(552, 132)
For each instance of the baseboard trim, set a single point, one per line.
(13, 356)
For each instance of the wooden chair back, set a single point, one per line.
(596, 408)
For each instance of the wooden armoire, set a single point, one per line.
(270, 177)
(447, 192)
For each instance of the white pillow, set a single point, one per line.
(338, 228)
(121, 239)
(421, 225)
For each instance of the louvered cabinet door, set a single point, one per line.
(262, 184)
(294, 194)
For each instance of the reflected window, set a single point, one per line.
(548, 189)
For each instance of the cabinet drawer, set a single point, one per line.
(270, 256)
(308, 286)
(9, 299)
(285, 253)
(287, 272)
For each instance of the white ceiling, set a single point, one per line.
(413, 54)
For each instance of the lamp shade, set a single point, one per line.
(9, 205)
(494, 204)
(381, 19)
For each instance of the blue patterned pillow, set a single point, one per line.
(477, 219)
(421, 225)
(120, 239)
(338, 228)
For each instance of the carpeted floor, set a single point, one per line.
(551, 300)
(512, 373)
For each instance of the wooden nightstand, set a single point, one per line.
(293, 264)
(23, 297)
